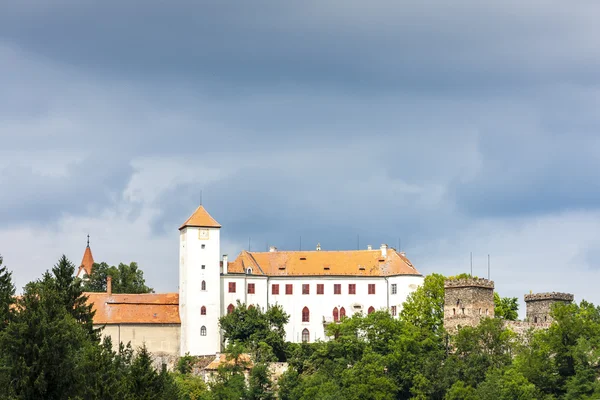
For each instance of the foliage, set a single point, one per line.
(425, 306)
(261, 332)
(506, 307)
(125, 279)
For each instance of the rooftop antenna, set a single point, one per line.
(488, 266)
(471, 264)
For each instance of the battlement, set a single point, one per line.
(469, 282)
(549, 296)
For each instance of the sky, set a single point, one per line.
(447, 127)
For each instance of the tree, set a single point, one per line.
(506, 307)
(7, 293)
(507, 384)
(260, 385)
(250, 326)
(425, 306)
(125, 279)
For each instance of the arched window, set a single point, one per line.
(249, 271)
(305, 315)
(371, 310)
(336, 314)
(342, 312)
(230, 308)
(535, 320)
(454, 311)
(305, 336)
(203, 331)
(203, 286)
(202, 310)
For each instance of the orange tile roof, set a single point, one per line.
(222, 359)
(151, 308)
(202, 218)
(87, 262)
(312, 263)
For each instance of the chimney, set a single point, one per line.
(384, 248)
(225, 264)
(318, 246)
(109, 285)
(272, 249)
(369, 247)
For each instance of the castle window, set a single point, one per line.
(545, 318)
(394, 288)
(457, 302)
(336, 314)
(203, 285)
(352, 288)
(230, 308)
(480, 311)
(305, 336)
(394, 311)
(337, 288)
(486, 312)
(320, 288)
(231, 287)
(202, 310)
(289, 289)
(305, 315)
(251, 288)
(463, 311)
(275, 288)
(371, 288)
(203, 267)
(454, 311)
(203, 331)
(535, 320)
(342, 312)
(203, 246)
(371, 310)
(305, 288)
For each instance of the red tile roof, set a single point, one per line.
(152, 308)
(201, 218)
(313, 263)
(87, 262)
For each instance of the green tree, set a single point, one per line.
(7, 293)
(506, 307)
(250, 326)
(506, 384)
(425, 306)
(125, 279)
(260, 385)
(145, 382)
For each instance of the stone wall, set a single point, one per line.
(539, 305)
(467, 301)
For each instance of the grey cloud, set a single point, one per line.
(34, 198)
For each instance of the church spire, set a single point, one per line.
(87, 262)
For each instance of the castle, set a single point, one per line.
(467, 301)
(315, 288)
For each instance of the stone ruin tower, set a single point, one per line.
(539, 305)
(467, 301)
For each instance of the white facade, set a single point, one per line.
(199, 286)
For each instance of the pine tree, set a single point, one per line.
(7, 293)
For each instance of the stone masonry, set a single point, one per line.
(467, 301)
(539, 305)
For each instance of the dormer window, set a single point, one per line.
(326, 268)
(249, 271)
(303, 258)
(281, 267)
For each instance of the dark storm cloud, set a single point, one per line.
(32, 198)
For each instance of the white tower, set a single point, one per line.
(200, 284)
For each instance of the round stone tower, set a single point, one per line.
(467, 301)
(539, 305)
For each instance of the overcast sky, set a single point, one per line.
(456, 126)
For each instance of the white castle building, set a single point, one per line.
(314, 287)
